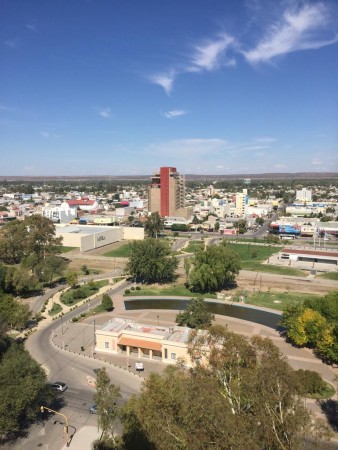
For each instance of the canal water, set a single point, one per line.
(261, 317)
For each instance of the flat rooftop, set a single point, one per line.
(174, 334)
(85, 229)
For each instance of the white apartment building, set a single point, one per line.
(241, 202)
(60, 214)
(304, 195)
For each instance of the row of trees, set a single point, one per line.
(314, 323)
(23, 382)
(244, 395)
(210, 270)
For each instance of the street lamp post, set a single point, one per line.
(62, 324)
(94, 334)
(158, 320)
(66, 428)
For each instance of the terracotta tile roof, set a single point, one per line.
(140, 343)
(80, 202)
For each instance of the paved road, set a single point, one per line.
(37, 302)
(76, 371)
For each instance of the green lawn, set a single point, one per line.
(252, 252)
(273, 300)
(120, 252)
(325, 393)
(252, 257)
(62, 249)
(193, 246)
(277, 300)
(79, 293)
(175, 289)
(56, 309)
(279, 270)
(329, 276)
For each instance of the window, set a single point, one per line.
(173, 356)
(165, 353)
(106, 345)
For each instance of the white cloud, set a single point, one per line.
(280, 166)
(165, 80)
(266, 140)
(31, 27)
(105, 112)
(297, 30)
(49, 135)
(12, 43)
(316, 162)
(174, 113)
(219, 167)
(194, 147)
(208, 56)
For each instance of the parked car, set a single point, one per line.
(93, 409)
(59, 386)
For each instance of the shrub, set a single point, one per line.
(75, 319)
(127, 291)
(132, 288)
(309, 382)
(138, 288)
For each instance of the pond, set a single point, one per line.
(261, 317)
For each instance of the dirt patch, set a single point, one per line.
(253, 281)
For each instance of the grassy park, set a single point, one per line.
(79, 293)
(273, 300)
(120, 252)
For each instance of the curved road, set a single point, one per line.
(77, 372)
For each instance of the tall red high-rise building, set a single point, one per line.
(167, 193)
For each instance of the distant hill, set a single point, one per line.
(254, 176)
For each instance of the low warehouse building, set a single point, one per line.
(129, 338)
(312, 256)
(88, 237)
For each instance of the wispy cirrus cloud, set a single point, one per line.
(49, 135)
(181, 148)
(31, 27)
(174, 113)
(212, 54)
(296, 30)
(165, 80)
(11, 43)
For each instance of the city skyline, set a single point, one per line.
(122, 88)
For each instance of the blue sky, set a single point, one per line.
(122, 87)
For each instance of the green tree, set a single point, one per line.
(154, 225)
(49, 268)
(151, 261)
(196, 314)
(72, 279)
(213, 269)
(85, 269)
(12, 312)
(236, 385)
(106, 399)
(107, 302)
(259, 220)
(22, 389)
(179, 410)
(34, 235)
(314, 324)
